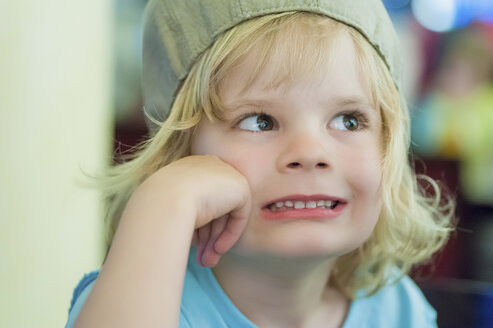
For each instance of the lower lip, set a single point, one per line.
(304, 214)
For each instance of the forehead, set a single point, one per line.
(298, 65)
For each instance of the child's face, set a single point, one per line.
(317, 137)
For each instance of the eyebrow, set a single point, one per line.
(341, 101)
(257, 103)
(353, 100)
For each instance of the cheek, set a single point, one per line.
(364, 172)
(254, 162)
(245, 161)
(245, 158)
(365, 168)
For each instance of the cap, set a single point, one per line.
(183, 29)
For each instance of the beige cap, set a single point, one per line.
(185, 28)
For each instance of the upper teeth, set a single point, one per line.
(309, 204)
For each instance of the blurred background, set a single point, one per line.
(71, 100)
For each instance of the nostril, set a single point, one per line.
(322, 165)
(294, 164)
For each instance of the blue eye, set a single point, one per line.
(257, 123)
(348, 122)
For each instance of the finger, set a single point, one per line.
(210, 257)
(195, 238)
(218, 226)
(232, 232)
(203, 236)
(235, 226)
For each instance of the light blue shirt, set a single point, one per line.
(204, 304)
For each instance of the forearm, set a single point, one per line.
(141, 282)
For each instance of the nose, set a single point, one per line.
(304, 152)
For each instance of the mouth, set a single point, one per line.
(304, 207)
(300, 205)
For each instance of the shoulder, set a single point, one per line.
(79, 296)
(203, 303)
(397, 305)
(83, 289)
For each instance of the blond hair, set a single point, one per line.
(412, 225)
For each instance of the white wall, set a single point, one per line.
(55, 116)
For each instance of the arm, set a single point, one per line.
(140, 284)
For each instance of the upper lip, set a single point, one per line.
(305, 198)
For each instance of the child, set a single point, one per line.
(283, 160)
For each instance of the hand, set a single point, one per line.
(221, 197)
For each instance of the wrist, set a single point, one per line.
(169, 207)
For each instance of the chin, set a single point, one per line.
(298, 247)
(305, 239)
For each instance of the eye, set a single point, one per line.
(257, 122)
(349, 122)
